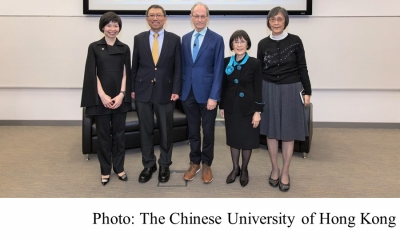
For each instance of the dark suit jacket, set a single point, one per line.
(206, 73)
(244, 84)
(167, 72)
(106, 62)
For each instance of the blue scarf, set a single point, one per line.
(232, 64)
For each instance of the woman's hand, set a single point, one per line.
(117, 101)
(307, 100)
(106, 100)
(222, 113)
(256, 119)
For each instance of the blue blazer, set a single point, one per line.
(205, 74)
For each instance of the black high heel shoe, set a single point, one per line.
(123, 177)
(244, 178)
(273, 182)
(232, 176)
(105, 180)
(284, 187)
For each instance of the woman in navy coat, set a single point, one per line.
(241, 104)
(105, 83)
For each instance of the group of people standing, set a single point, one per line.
(255, 95)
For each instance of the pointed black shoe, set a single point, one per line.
(232, 176)
(105, 180)
(146, 174)
(163, 174)
(284, 187)
(244, 178)
(123, 177)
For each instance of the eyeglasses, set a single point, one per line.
(239, 42)
(272, 20)
(199, 17)
(155, 16)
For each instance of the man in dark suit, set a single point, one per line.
(202, 67)
(156, 84)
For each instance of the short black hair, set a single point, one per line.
(275, 11)
(107, 18)
(239, 34)
(156, 6)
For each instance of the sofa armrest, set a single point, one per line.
(87, 122)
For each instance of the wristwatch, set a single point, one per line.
(123, 92)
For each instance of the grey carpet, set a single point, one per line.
(40, 161)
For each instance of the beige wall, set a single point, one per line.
(351, 47)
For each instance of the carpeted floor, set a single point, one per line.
(37, 161)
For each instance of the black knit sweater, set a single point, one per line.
(284, 61)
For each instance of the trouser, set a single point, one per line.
(111, 142)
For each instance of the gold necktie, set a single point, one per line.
(154, 49)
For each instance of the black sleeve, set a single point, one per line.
(302, 66)
(177, 68)
(89, 90)
(135, 63)
(128, 83)
(257, 85)
(224, 86)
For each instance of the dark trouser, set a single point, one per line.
(198, 115)
(165, 120)
(111, 142)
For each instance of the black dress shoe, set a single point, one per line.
(232, 176)
(105, 180)
(244, 178)
(146, 174)
(163, 174)
(123, 177)
(284, 187)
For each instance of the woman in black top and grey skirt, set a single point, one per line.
(285, 76)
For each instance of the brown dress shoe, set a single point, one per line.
(191, 172)
(207, 173)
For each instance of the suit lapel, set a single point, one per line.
(206, 41)
(147, 46)
(164, 45)
(188, 47)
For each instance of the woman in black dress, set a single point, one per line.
(105, 83)
(286, 79)
(241, 104)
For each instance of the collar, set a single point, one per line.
(161, 32)
(202, 32)
(279, 37)
(111, 49)
(103, 41)
(232, 64)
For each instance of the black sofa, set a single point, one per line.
(132, 134)
(300, 146)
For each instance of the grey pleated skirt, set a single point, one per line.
(283, 115)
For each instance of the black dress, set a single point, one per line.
(241, 96)
(107, 62)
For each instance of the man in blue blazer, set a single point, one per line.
(202, 70)
(156, 84)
